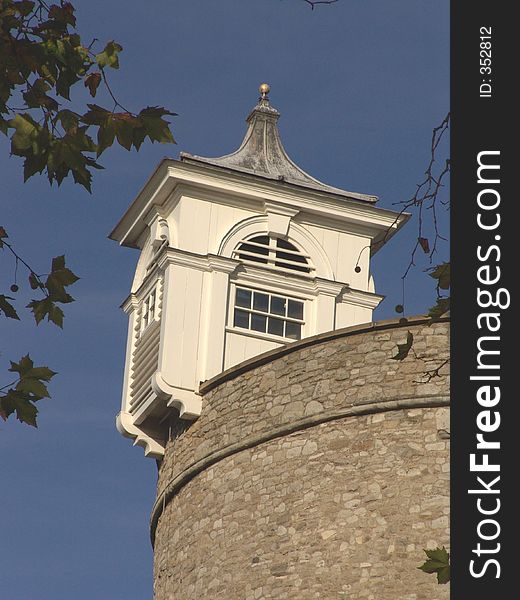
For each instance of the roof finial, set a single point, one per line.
(264, 90)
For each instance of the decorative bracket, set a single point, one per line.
(279, 218)
(153, 447)
(188, 402)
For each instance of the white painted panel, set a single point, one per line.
(172, 323)
(194, 225)
(241, 347)
(350, 248)
(235, 349)
(255, 346)
(348, 315)
(345, 315)
(223, 219)
(330, 245)
(191, 326)
(213, 325)
(317, 232)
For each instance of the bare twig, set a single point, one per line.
(313, 3)
(30, 269)
(432, 373)
(426, 195)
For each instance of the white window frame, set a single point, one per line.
(270, 292)
(271, 259)
(149, 310)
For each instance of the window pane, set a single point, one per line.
(295, 310)
(261, 239)
(151, 304)
(258, 322)
(243, 298)
(241, 319)
(278, 305)
(293, 331)
(256, 250)
(261, 302)
(280, 243)
(292, 257)
(275, 326)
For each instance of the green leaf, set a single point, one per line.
(36, 95)
(442, 273)
(23, 367)
(155, 126)
(438, 562)
(109, 56)
(105, 137)
(33, 281)
(441, 307)
(66, 79)
(65, 276)
(47, 308)
(41, 373)
(24, 7)
(444, 575)
(63, 14)
(34, 164)
(26, 411)
(56, 315)
(69, 120)
(40, 309)
(7, 308)
(404, 349)
(438, 554)
(26, 130)
(58, 262)
(31, 385)
(29, 389)
(96, 115)
(18, 402)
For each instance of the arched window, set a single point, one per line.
(275, 253)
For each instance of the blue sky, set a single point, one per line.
(360, 86)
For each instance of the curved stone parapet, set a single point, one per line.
(317, 470)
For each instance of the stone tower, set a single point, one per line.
(296, 458)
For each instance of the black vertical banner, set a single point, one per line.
(485, 210)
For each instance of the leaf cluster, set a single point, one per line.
(438, 562)
(442, 274)
(52, 288)
(22, 395)
(58, 279)
(42, 57)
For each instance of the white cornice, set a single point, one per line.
(130, 304)
(170, 173)
(361, 298)
(328, 288)
(209, 262)
(280, 209)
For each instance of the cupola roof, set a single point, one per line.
(262, 153)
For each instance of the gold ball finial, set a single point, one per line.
(264, 89)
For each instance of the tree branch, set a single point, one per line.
(313, 3)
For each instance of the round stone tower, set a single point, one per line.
(319, 469)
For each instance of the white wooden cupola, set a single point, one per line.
(238, 255)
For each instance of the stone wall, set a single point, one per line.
(319, 470)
